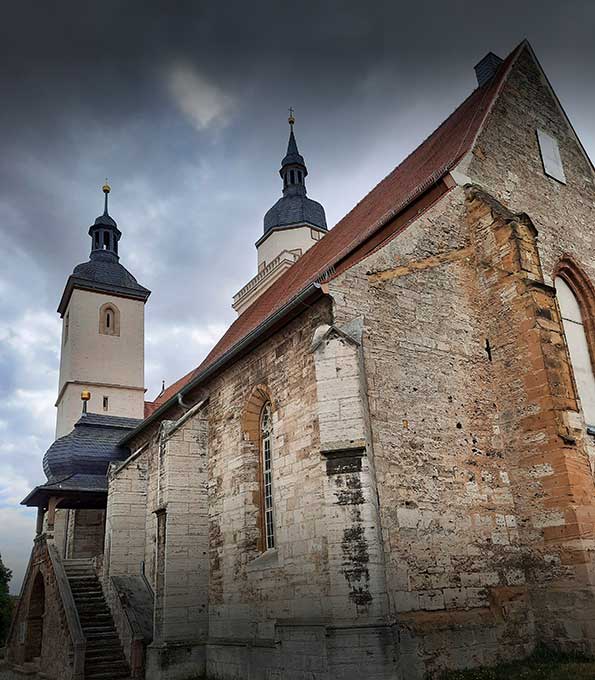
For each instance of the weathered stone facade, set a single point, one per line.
(41, 636)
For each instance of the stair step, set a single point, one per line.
(95, 616)
(113, 666)
(96, 629)
(106, 635)
(98, 655)
(103, 646)
(104, 657)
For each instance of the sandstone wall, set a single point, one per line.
(448, 517)
(506, 162)
(39, 637)
(484, 509)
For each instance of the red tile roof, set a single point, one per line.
(440, 152)
(150, 407)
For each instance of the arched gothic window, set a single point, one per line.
(266, 473)
(575, 319)
(109, 319)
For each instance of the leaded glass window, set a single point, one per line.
(266, 462)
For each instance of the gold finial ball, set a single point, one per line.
(106, 188)
(291, 120)
(85, 395)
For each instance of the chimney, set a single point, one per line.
(486, 69)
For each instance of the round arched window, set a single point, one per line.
(109, 320)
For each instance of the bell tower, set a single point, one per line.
(102, 349)
(291, 227)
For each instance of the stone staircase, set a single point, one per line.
(104, 658)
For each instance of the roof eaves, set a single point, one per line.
(313, 289)
(96, 287)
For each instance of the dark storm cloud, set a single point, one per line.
(184, 106)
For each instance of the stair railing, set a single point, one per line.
(75, 629)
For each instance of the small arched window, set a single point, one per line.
(293, 176)
(266, 475)
(577, 339)
(109, 319)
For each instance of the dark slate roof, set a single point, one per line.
(294, 209)
(89, 448)
(76, 465)
(104, 275)
(293, 156)
(105, 220)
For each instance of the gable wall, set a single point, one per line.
(506, 162)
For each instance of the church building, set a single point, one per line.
(386, 466)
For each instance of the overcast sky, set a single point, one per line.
(184, 107)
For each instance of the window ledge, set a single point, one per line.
(268, 560)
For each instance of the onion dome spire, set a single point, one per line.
(293, 167)
(294, 208)
(104, 233)
(103, 272)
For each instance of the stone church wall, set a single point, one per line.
(317, 599)
(448, 517)
(125, 529)
(507, 162)
(470, 555)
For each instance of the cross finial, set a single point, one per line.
(291, 119)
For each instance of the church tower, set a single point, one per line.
(102, 349)
(292, 226)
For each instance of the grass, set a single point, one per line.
(543, 664)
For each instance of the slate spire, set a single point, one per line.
(293, 167)
(105, 234)
(294, 208)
